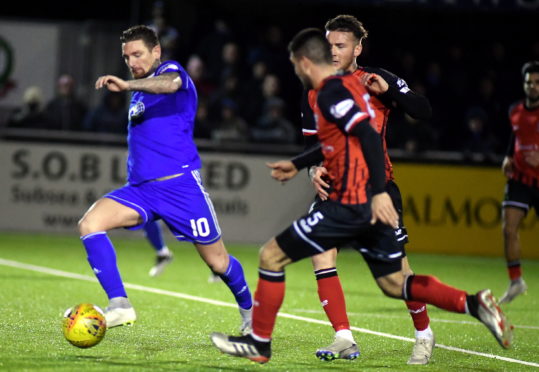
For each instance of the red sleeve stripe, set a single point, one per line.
(309, 132)
(356, 119)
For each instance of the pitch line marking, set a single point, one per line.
(65, 274)
(386, 316)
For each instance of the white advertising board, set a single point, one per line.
(47, 188)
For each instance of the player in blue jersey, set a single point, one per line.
(163, 179)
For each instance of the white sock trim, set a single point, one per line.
(246, 314)
(346, 334)
(426, 333)
(163, 252)
(260, 339)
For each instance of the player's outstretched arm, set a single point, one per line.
(286, 169)
(166, 83)
(283, 170)
(112, 83)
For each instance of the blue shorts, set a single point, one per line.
(181, 202)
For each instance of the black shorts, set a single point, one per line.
(374, 250)
(331, 224)
(519, 195)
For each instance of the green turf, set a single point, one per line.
(172, 333)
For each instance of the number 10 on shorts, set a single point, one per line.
(200, 227)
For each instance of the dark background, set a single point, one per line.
(465, 56)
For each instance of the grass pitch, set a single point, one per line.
(172, 333)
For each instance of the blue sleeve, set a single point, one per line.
(173, 66)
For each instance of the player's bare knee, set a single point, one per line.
(218, 264)
(392, 291)
(217, 267)
(87, 226)
(391, 285)
(510, 231)
(325, 260)
(272, 257)
(215, 256)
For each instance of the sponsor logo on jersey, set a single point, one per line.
(136, 111)
(328, 148)
(340, 109)
(403, 87)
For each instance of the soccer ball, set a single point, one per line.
(84, 325)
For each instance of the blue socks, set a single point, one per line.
(154, 235)
(235, 280)
(102, 259)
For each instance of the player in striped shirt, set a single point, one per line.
(346, 35)
(521, 167)
(359, 209)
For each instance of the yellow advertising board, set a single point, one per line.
(457, 210)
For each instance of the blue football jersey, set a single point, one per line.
(160, 130)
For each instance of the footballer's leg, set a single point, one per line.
(229, 269)
(312, 234)
(512, 218)
(424, 345)
(429, 289)
(269, 296)
(186, 208)
(424, 337)
(333, 302)
(164, 256)
(104, 215)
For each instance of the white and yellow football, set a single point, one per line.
(84, 325)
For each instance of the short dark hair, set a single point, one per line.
(529, 67)
(347, 23)
(140, 32)
(311, 43)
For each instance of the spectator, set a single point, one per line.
(167, 34)
(487, 98)
(271, 86)
(197, 70)
(232, 127)
(203, 124)
(411, 135)
(110, 116)
(254, 99)
(231, 63)
(168, 38)
(477, 137)
(210, 49)
(30, 115)
(273, 127)
(272, 50)
(65, 111)
(230, 89)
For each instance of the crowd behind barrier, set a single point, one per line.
(248, 93)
